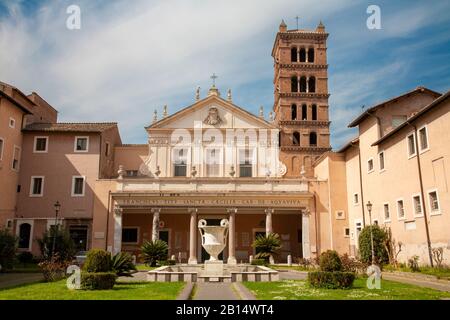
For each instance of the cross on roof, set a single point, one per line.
(296, 18)
(214, 77)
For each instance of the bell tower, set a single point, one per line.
(301, 96)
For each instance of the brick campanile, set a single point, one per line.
(301, 96)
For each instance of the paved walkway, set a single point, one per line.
(14, 279)
(215, 291)
(441, 285)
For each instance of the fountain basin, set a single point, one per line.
(197, 273)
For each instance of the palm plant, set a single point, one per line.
(122, 264)
(267, 246)
(153, 251)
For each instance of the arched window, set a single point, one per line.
(294, 112)
(311, 55)
(312, 84)
(314, 111)
(313, 139)
(303, 84)
(294, 85)
(302, 55)
(304, 112)
(296, 138)
(24, 235)
(294, 54)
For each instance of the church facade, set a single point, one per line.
(213, 160)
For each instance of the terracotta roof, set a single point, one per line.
(421, 112)
(366, 113)
(348, 144)
(71, 127)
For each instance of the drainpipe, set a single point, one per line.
(419, 168)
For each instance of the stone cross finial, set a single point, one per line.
(270, 116)
(165, 111)
(214, 77)
(155, 116)
(229, 95)
(197, 94)
(261, 112)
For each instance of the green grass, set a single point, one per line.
(300, 290)
(24, 268)
(144, 267)
(440, 273)
(121, 291)
(293, 267)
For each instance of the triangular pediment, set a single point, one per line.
(212, 112)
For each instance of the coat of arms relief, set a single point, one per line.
(213, 117)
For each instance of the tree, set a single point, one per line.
(380, 237)
(64, 245)
(153, 251)
(8, 246)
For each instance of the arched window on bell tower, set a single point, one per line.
(314, 112)
(304, 112)
(294, 54)
(303, 84)
(312, 84)
(296, 138)
(294, 85)
(294, 112)
(313, 139)
(311, 55)
(302, 55)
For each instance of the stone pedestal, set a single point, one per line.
(214, 268)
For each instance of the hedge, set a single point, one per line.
(98, 280)
(331, 280)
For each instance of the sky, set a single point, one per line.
(132, 57)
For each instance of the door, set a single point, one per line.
(205, 255)
(164, 236)
(79, 235)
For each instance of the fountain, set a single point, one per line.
(214, 239)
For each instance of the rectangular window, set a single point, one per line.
(16, 159)
(397, 120)
(40, 144)
(130, 235)
(180, 162)
(400, 209)
(387, 214)
(417, 205)
(107, 149)
(423, 139)
(12, 123)
(2, 142)
(434, 202)
(355, 199)
(411, 145)
(37, 186)
(245, 163)
(78, 186)
(347, 232)
(81, 144)
(370, 165)
(381, 160)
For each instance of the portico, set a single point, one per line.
(174, 216)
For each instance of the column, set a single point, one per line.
(269, 228)
(117, 245)
(298, 84)
(155, 225)
(231, 235)
(307, 84)
(305, 234)
(306, 55)
(193, 236)
(298, 54)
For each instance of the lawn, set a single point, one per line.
(144, 267)
(121, 291)
(293, 267)
(440, 273)
(300, 290)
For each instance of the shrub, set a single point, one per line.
(380, 237)
(330, 261)
(352, 265)
(331, 280)
(98, 280)
(259, 262)
(8, 246)
(169, 262)
(64, 245)
(153, 251)
(267, 246)
(122, 264)
(25, 257)
(97, 260)
(413, 263)
(54, 268)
